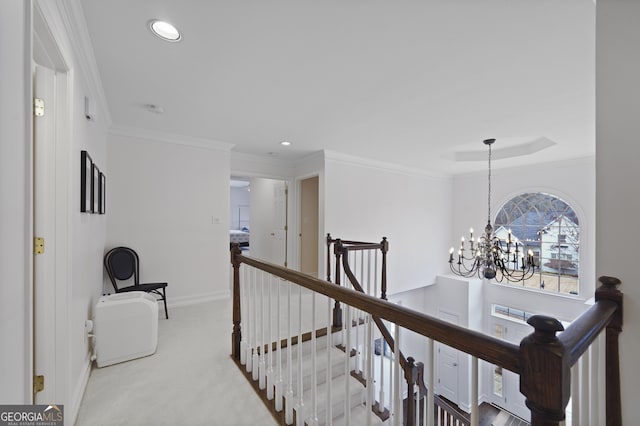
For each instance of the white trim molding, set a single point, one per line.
(170, 138)
(381, 165)
(68, 27)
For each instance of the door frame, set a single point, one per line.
(47, 53)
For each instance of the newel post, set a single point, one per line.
(545, 377)
(609, 291)
(385, 248)
(329, 257)
(410, 375)
(236, 334)
(337, 309)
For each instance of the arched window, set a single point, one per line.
(550, 228)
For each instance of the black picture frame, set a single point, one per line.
(102, 208)
(86, 183)
(95, 190)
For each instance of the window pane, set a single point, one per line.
(550, 228)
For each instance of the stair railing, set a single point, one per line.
(342, 251)
(543, 360)
(357, 261)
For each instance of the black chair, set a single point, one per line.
(122, 263)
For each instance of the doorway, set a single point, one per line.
(259, 216)
(309, 226)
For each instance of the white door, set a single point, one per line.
(448, 365)
(280, 226)
(506, 384)
(448, 372)
(44, 227)
(267, 219)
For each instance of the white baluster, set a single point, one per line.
(576, 396)
(361, 280)
(244, 312)
(381, 397)
(397, 394)
(270, 373)
(262, 367)
(289, 394)
(430, 384)
(250, 329)
(585, 386)
(347, 368)
(279, 382)
(300, 406)
(329, 408)
(474, 391)
(369, 368)
(256, 357)
(369, 274)
(596, 396)
(602, 387)
(375, 275)
(313, 420)
(357, 345)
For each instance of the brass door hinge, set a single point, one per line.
(38, 107)
(38, 384)
(38, 245)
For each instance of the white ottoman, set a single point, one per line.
(125, 327)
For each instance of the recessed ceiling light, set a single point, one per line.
(285, 143)
(165, 30)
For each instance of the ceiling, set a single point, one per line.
(415, 83)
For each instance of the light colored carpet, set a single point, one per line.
(190, 380)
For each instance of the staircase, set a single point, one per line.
(281, 372)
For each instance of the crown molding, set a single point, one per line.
(170, 138)
(588, 160)
(381, 165)
(65, 19)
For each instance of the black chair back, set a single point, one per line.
(122, 263)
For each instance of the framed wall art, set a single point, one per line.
(86, 184)
(102, 194)
(95, 191)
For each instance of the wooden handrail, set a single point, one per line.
(577, 338)
(407, 364)
(485, 347)
(543, 360)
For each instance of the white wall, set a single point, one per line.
(170, 203)
(367, 201)
(15, 208)
(618, 174)
(571, 180)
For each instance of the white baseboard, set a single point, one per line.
(174, 302)
(76, 399)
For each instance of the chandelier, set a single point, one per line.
(490, 257)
